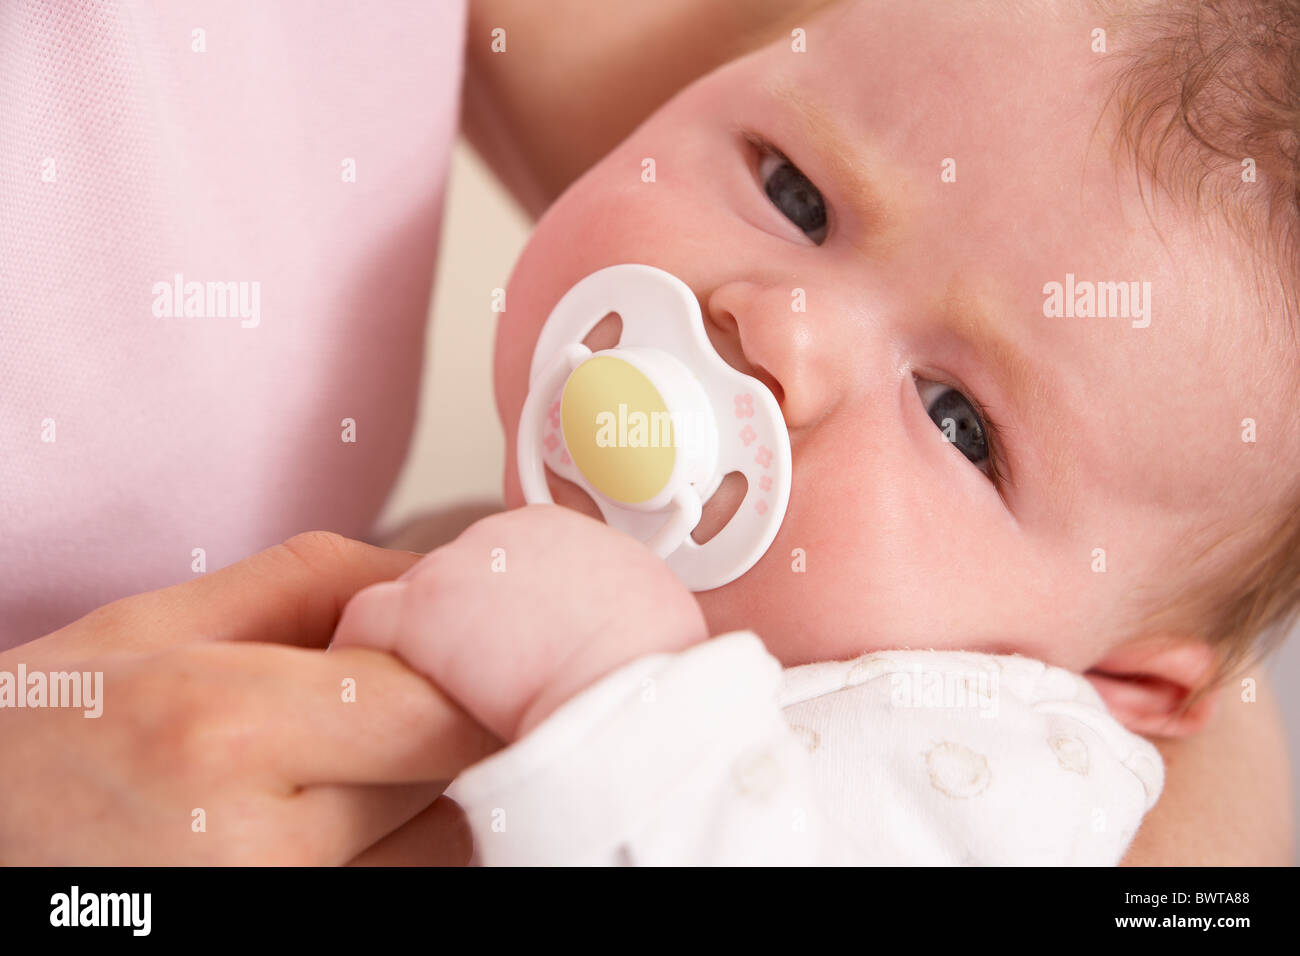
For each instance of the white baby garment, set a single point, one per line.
(717, 756)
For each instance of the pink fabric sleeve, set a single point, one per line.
(211, 146)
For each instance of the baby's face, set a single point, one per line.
(925, 301)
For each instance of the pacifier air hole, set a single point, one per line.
(721, 507)
(605, 334)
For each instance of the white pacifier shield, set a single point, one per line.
(650, 428)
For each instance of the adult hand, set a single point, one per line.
(218, 698)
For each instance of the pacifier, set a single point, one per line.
(650, 427)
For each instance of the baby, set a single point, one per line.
(948, 652)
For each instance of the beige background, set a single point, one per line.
(457, 455)
(457, 451)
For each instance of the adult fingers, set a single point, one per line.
(293, 593)
(437, 836)
(331, 825)
(350, 716)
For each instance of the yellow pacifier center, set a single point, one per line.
(617, 429)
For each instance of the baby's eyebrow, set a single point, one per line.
(839, 149)
(974, 321)
(1034, 395)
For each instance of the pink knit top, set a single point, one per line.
(218, 224)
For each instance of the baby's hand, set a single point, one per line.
(525, 609)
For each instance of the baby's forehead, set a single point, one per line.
(967, 68)
(1113, 107)
(1046, 142)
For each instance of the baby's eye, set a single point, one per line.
(793, 194)
(958, 419)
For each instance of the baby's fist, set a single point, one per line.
(524, 610)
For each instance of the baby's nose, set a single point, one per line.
(761, 331)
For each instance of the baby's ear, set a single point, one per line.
(1148, 682)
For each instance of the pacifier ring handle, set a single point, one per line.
(532, 469)
(687, 509)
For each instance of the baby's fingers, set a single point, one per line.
(373, 618)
